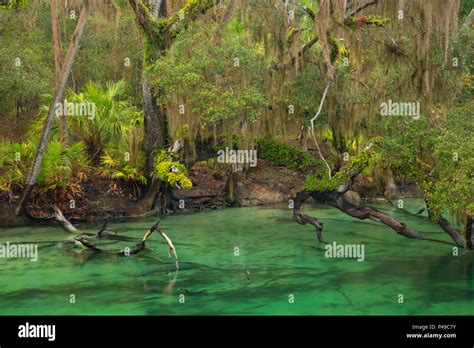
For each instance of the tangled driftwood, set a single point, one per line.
(83, 240)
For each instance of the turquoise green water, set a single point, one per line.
(278, 261)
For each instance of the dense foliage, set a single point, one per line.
(258, 73)
(281, 154)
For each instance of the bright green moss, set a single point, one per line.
(173, 173)
(13, 4)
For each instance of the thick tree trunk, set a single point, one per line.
(147, 203)
(58, 96)
(155, 123)
(160, 36)
(159, 40)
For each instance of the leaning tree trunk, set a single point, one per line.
(58, 96)
(57, 63)
(337, 200)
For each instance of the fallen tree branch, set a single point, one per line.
(445, 225)
(170, 244)
(63, 222)
(420, 211)
(83, 240)
(337, 200)
(304, 219)
(141, 246)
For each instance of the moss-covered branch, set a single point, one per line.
(342, 180)
(188, 13)
(158, 29)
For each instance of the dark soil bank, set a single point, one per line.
(96, 199)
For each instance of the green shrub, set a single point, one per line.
(120, 169)
(174, 173)
(285, 155)
(366, 159)
(58, 166)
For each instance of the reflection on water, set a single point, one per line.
(276, 258)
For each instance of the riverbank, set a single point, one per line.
(95, 198)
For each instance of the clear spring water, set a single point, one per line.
(277, 258)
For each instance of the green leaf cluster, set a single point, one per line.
(285, 155)
(172, 172)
